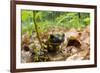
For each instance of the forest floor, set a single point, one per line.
(76, 45)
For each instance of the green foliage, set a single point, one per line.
(47, 19)
(27, 21)
(39, 21)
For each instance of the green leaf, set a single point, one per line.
(87, 20)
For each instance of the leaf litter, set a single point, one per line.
(73, 45)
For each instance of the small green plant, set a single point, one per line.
(47, 19)
(37, 24)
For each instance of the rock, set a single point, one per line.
(26, 56)
(69, 51)
(74, 57)
(87, 40)
(55, 57)
(83, 36)
(80, 55)
(85, 46)
(63, 54)
(72, 32)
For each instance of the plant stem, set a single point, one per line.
(36, 28)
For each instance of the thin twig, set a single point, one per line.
(36, 28)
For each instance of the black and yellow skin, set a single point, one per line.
(54, 41)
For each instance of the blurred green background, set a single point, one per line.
(47, 19)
